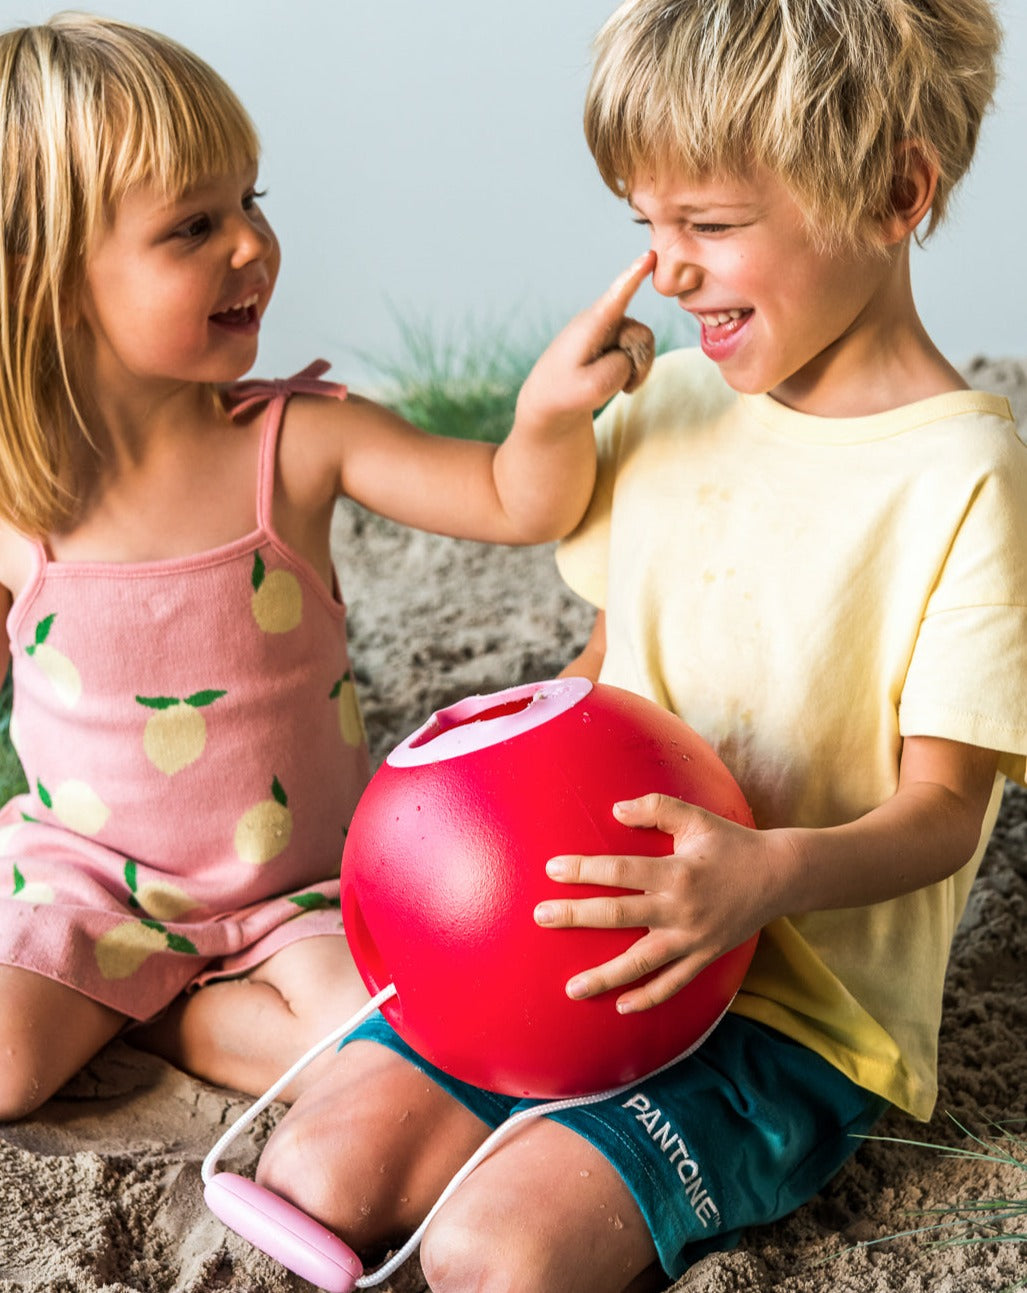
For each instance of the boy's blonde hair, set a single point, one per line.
(823, 93)
(89, 107)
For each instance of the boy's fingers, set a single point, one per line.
(662, 812)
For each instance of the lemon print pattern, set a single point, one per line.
(123, 948)
(264, 830)
(7, 834)
(75, 805)
(277, 598)
(158, 898)
(314, 901)
(176, 733)
(351, 721)
(59, 671)
(31, 891)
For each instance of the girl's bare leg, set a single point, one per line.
(370, 1148)
(47, 1032)
(244, 1033)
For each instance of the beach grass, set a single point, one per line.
(453, 386)
(449, 386)
(12, 778)
(997, 1220)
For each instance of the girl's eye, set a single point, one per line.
(251, 199)
(711, 228)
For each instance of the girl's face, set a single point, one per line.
(175, 287)
(776, 312)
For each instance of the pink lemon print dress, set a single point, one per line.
(193, 747)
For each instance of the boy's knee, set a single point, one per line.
(293, 1165)
(450, 1258)
(457, 1255)
(298, 1165)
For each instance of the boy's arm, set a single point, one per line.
(589, 661)
(724, 882)
(533, 487)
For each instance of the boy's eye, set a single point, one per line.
(195, 227)
(251, 198)
(711, 228)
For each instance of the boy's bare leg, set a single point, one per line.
(371, 1147)
(546, 1211)
(47, 1032)
(244, 1033)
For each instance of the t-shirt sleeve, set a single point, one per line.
(967, 679)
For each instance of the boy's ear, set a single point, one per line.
(912, 193)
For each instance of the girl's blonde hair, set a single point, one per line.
(89, 107)
(823, 93)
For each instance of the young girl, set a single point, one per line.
(184, 703)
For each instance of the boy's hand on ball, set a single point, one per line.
(711, 894)
(600, 352)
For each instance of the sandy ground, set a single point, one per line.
(100, 1192)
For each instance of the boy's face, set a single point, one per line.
(777, 313)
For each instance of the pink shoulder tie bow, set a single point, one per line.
(244, 395)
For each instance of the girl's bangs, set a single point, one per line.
(178, 138)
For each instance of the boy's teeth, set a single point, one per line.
(723, 316)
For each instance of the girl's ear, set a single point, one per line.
(912, 193)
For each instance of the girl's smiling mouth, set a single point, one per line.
(241, 316)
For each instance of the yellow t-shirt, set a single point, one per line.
(805, 592)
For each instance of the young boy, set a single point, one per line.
(807, 538)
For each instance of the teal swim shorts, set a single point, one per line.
(744, 1130)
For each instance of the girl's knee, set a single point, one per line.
(47, 1032)
(22, 1092)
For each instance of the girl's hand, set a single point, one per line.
(715, 891)
(600, 352)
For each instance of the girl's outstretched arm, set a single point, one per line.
(532, 488)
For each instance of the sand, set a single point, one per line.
(101, 1190)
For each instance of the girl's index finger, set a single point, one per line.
(617, 297)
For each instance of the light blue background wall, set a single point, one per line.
(425, 160)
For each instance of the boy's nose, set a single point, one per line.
(673, 276)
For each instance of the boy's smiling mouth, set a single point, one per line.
(720, 330)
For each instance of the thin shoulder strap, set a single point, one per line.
(244, 395)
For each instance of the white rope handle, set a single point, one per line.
(501, 1132)
(481, 1153)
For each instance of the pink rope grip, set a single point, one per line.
(281, 1230)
